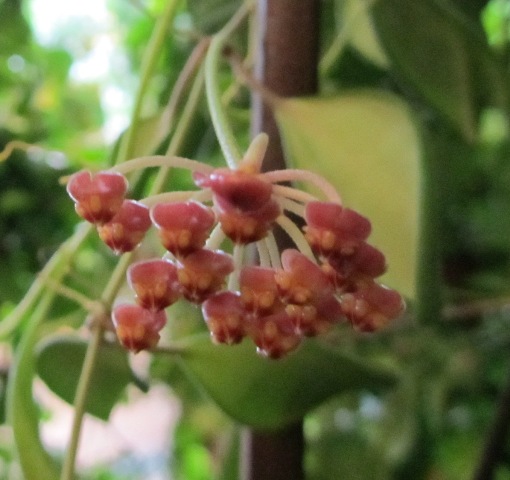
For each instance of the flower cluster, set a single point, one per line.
(328, 277)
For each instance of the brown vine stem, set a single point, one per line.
(286, 64)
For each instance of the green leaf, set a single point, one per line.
(210, 15)
(269, 394)
(442, 54)
(362, 35)
(22, 413)
(59, 362)
(366, 145)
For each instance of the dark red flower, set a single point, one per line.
(137, 328)
(155, 283)
(183, 226)
(225, 316)
(372, 306)
(98, 197)
(333, 229)
(127, 228)
(301, 281)
(203, 273)
(244, 202)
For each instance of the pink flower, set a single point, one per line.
(244, 201)
(98, 197)
(367, 262)
(203, 273)
(137, 328)
(127, 228)
(155, 283)
(183, 226)
(259, 291)
(225, 316)
(372, 306)
(333, 229)
(274, 335)
(301, 281)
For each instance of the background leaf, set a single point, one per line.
(268, 394)
(23, 415)
(111, 375)
(361, 31)
(440, 52)
(366, 144)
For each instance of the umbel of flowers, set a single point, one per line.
(329, 277)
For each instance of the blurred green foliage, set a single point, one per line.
(448, 60)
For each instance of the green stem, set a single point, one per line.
(147, 71)
(341, 40)
(80, 401)
(115, 282)
(221, 125)
(55, 269)
(140, 163)
(23, 415)
(181, 128)
(111, 290)
(429, 301)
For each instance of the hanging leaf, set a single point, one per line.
(268, 394)
(443, 55)
(366, 144)
(111, 375)
(361, 33)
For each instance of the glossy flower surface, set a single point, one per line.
(183, 226)
(203, 273)
(127, 228)
(137, 328)
(275, 299)
(244, 202)
(97, 197)
(155, 283)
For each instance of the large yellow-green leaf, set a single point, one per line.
(366, 144)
